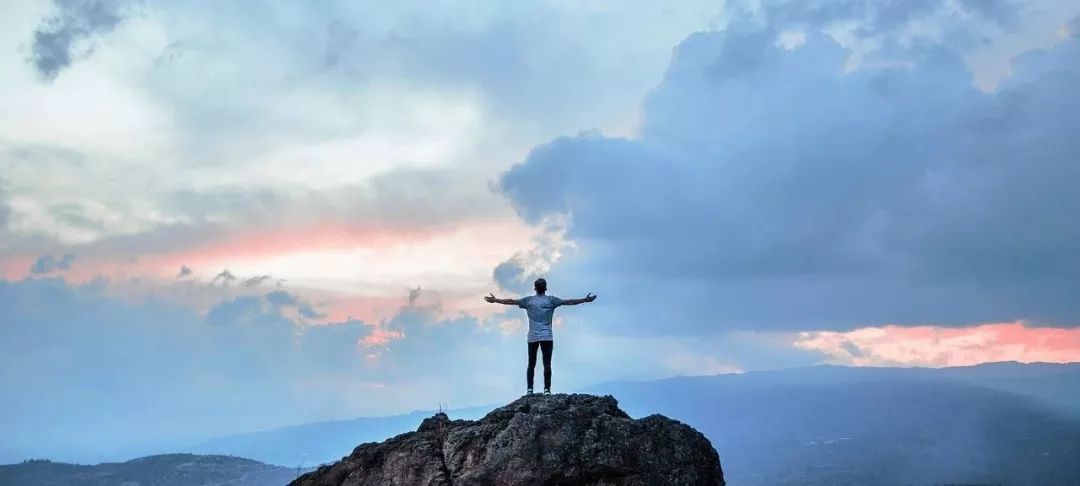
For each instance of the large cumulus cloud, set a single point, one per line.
(299, 107)
(775, 188)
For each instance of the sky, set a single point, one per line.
(227, 217)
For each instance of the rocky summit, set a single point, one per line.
(537, 439)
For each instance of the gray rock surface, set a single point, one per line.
(537, 439)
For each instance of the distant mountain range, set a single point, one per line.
(997, 423)
(163, 470)
(1000, 423)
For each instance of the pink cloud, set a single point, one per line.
(486, 242)
(277, 241)
(16, 267)
(380, 337)
(944, 346)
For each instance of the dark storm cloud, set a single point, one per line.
(769, 189)
(48, 264)
(74, 22)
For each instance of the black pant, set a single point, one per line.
(544, 346)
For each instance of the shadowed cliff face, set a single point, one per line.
(538, 439)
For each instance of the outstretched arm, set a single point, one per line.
(493, 300)
(588, 298)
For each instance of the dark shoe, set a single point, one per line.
(547, 391)
(529, 391)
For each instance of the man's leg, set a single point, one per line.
(532, 364)
(546, 347)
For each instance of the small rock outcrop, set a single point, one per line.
(537, 439)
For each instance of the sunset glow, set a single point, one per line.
(943, 346)
(226, 217)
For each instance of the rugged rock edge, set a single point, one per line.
(537, 439)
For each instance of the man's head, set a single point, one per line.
(540, 285)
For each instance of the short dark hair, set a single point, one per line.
(540, 285)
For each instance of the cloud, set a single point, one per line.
(308, 312)
(240, 311)
(132, 372)
(413, 295)
(75, 24)
(505, 54)
(402, 204)
(277, 307)
(47, 264)
(938, 346)
(893, 29)
(280, 297)
(5, 214)
(511, 275)
(235, 99)
(184, 271)
(136, 375)
(304, 310)
(333, 81)
(884, 18)
(517, 273)
(773, 189)
(256, 280)
(225, 277)
(1072, 27)
(147, 374)
(767, 188)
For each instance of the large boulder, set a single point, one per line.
(537, 439)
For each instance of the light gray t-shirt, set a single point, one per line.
(541, 309)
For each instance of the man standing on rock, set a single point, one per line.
(541, 308)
